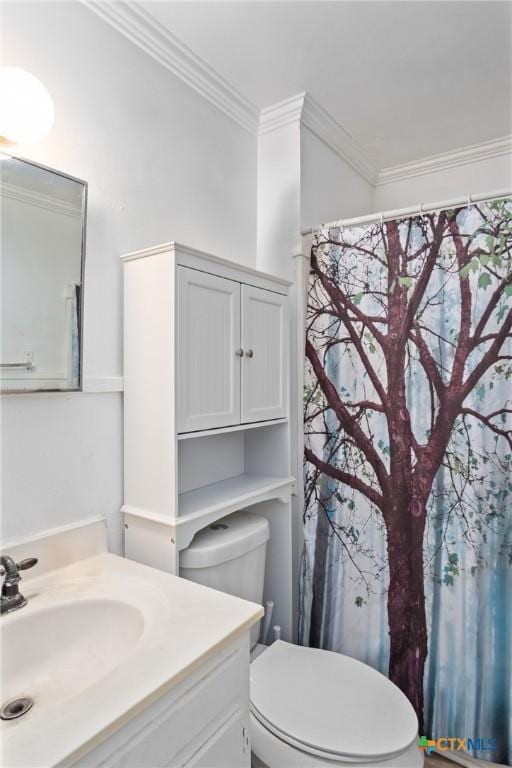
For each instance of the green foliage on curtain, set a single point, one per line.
(408, 460)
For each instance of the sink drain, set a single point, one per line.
(16, 708)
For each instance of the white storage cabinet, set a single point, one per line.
(206, 428)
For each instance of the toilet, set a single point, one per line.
(310, 708)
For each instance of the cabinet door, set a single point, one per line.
(229, 748)
(264, 364)
(208, 351)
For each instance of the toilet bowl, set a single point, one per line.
(309, 708)
(313, 709)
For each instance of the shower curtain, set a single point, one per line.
(407, 563)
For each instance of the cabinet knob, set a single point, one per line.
(239, 353)
(250, 353)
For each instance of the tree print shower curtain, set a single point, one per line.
(407, 563)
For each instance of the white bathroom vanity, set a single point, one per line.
(126, 665)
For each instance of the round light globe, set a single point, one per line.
(26, 107)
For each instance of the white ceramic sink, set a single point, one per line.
(58, 651)
(96, 642)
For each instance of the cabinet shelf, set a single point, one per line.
(202, 506)
(229, 495)
(235, 428)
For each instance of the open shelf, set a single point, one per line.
(229, 495)
(202, 506)
(223, 471)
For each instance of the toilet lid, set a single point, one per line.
(330, 705)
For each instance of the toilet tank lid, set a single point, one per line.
(227, 538)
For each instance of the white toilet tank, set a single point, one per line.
(229, 555)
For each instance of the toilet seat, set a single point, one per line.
(329, 705)
(268, 751)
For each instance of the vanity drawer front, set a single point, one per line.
(208, 709)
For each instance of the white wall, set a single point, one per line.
(61, 462)
(330, 188)
(279, 197)
(489, 175)
(162, 164)
(302, 182)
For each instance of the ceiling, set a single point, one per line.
(406, 79)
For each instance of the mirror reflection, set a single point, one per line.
(41, 273)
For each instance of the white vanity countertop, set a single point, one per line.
(98, 642)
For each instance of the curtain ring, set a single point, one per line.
(381, 219)
(421, 209)
(470, 202)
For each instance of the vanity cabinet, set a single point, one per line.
(231, 352)
(201, 723)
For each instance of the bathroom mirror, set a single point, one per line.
(42, 253)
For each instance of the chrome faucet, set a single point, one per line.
(12, 599)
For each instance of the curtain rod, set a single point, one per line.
(401, 213)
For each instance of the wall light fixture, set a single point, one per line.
(26, 107)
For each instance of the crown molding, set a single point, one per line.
(326, 128)
(305, 110)
(40, 200)
(139, 26)
(470, 154)
(283, 113)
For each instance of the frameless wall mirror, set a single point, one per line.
(42, 255)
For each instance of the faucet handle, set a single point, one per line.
(29, 562)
